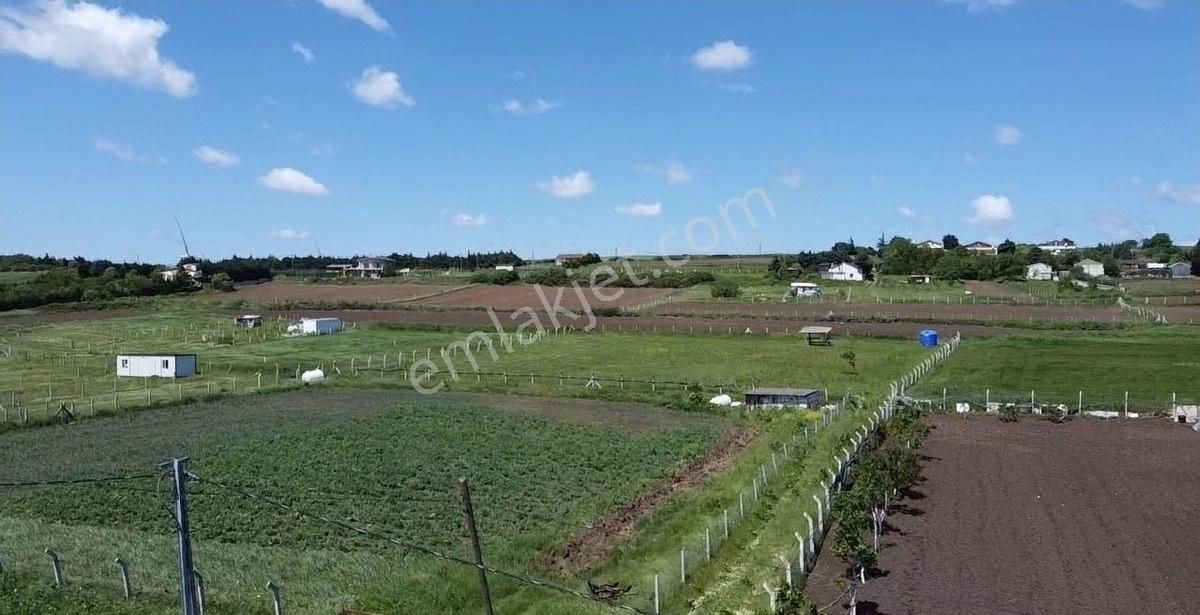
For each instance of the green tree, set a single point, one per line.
(1196, 259)
(725, 288)
(222, 282)
(1006, 247)
(950, 242)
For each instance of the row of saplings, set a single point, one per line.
(889, 465)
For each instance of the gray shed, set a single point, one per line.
(765, 397)
(1180, 270)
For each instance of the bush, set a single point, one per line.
(495, 277)
(725, 288)
(549, 277)
(222, 282)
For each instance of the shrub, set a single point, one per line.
(495, 277)
(549, 277)
(222, 282)
(725, 288)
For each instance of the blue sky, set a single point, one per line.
(426, 126)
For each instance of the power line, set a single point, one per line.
(76, 481)
(414, 546)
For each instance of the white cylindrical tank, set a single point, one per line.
(312, 376)
(721, 400)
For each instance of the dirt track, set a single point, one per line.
(1088, 517)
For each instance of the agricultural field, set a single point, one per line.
(383, 460)
(923, 312)
(545, 467)
(517, 296)
(1036, 517)
(1150, 364)
(1160, 289)
(375, 292)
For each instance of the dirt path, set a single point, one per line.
(591, 546)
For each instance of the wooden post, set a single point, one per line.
(485, 593)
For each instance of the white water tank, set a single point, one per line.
(721, 400)
(312, 376)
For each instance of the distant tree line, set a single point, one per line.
(77, 279)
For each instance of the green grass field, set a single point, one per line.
(383, 460)
(1150, 364)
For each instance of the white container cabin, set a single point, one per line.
(320, 326)
(157, 365)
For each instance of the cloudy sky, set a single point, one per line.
(363, 126)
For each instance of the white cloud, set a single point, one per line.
(641, 210)
(674, 172)
(723, 56)
(108, 146)
(907, 212)
(287, 179)
(304, 52)
(573, 186)
(989, 210)
(1184, 195)
(215, 157)
(469, 220)
(982, 5)
(358, 9)
(289, 233)
(1117, 226)
(532, 107)
(381, 88)
(1007, 134)
(791, 178)
(102, 42)
(1144, 4)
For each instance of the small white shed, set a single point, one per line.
(1039, 271)
(320, 326)
(157, 365)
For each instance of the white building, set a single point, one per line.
(1091, 267)
(1039, 271)
(930, 244)
(369, 267)
(980, 247)
(1059, 246)
(846, 272)
(318, 326)
(156, 365)
(505, 268)
(805, 289)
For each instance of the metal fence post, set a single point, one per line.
(276, 597)
(126, 581)
(56, 568)
(187, 586)
(485, 593)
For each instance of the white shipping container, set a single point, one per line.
(320, 326)
(156, 365)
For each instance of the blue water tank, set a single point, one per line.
(929, 338)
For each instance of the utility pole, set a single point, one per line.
(485, 594)
(187, 586)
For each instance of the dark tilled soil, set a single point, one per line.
(929, 312)
(1089, 517)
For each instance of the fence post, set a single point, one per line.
(656, 605)
(683, 565)
(126, 582)
(276, 597)
(187, 585)
(201, 592)
(485, 593)
(56, 568)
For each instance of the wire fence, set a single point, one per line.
(1107, 403)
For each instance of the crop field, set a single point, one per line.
(17, 277)
(1150, 364)
(514, 297)
(384, 460)
(1035, 517)
(1186, 287)
(274, 292)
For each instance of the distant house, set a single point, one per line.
(1059, 246)
(169, 275)
(763, 397)
(1180, 270)
(563, 259)
(920, 278)
(191, 270)
(161, 365)
(1039, 272)
(505, 268)
(317, 326)
(367, 267)
(805, 289)
(980, 247)
(930, 244)
(248, 321)
(1091, 267)
(845, 272)
(1144, 269)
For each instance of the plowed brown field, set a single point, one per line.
(1089, 517)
